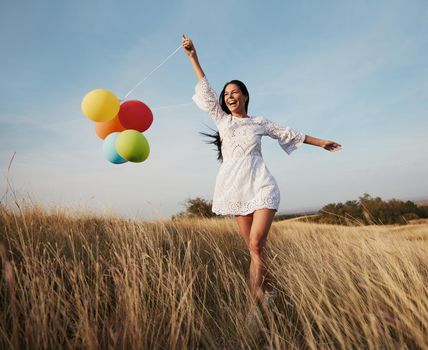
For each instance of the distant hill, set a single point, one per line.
(422, 202)
(300, 211)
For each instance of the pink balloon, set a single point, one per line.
(135, 115)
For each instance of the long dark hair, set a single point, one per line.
(216, 140)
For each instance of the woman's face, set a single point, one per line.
(235, 99)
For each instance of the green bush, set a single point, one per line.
(196, 207)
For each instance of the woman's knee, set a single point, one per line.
(257, 246)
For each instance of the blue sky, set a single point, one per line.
(353, 72)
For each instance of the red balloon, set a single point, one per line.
(135, 115)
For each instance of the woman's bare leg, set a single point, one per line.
(244, 224)
(262, 221)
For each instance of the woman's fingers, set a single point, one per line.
(336, 147)
(186, 42)
(188, 45)
(333, 146)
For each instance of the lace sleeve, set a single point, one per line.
(206, 99)
(288, 138)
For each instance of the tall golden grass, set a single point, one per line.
(74, 279)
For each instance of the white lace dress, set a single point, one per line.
(243, 183)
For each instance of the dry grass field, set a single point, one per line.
(73, 279)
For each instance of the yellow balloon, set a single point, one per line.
(100, 105)
(132, 146)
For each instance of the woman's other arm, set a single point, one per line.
(190, 50)
(326, 144)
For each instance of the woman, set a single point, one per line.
(244, 186)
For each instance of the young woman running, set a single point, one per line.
(244, 186)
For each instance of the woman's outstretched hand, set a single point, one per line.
(331, 146)
(188, 46)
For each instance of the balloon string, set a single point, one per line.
(154, 70)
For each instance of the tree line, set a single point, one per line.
(364, 211)
(371, 211)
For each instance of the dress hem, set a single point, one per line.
(245, 212)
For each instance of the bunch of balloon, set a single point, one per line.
(121, 126)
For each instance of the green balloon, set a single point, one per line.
(132, 146)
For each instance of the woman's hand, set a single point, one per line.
(331, 146)
(188, 46)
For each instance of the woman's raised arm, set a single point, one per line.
(190, 50)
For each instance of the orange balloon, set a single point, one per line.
(103, 129)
